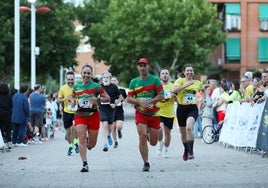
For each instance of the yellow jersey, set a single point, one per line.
(167, 105)
(187, 96)
(65, 91)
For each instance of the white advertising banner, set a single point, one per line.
(241, 124)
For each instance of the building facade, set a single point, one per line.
(85, 55)
(246, 47)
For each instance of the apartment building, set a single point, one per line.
(246, 47)
(85, 55)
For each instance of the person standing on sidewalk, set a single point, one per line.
(144, 92)
(20, 115)
(5, 114)
(68, 112)
(107, 109)
(37, 108)
(187, 110)
(119, 113)
(166, 113)
(88, 94)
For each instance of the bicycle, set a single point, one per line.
(210, 134)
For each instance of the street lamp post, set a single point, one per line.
(16, 44)
(33, 42)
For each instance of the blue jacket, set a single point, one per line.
(20, 109)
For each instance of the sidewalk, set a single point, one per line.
(47, 165)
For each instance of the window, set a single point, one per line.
(263, 49)
(263, 16)
(233, 49)
(232, 16)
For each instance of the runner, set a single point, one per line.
(144, 92)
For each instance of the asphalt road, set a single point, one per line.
(47, 165)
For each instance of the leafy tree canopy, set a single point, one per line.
(54, 36)
(168, 32)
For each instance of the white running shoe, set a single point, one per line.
(160, 148)
(22, 145)
(166, 153)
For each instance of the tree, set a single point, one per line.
(54, 35)
(169, 32)
(6, 42)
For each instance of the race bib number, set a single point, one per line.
(167, 94)
(189, 99)
(118, 103)
(146, 99)
(84, 103)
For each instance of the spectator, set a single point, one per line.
(5, 114)
(20, 115)
(236, 94)
(258, 89)
(37, 109)
(215, 95)
(246, 89)
(265, 81)
(207, 105)
(221, 103)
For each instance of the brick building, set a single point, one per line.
(85, 55)
(246, 48)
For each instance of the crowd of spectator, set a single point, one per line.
(27, 116)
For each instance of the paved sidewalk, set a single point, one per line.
(47, 165)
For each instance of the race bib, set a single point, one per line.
(118, 103)
(146, 99)
(84, 103)
(189, 99)
(167, 94)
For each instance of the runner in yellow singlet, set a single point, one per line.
(187, 111)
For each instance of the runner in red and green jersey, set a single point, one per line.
(87, 94)
(144, 92)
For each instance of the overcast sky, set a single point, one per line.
(76, 2)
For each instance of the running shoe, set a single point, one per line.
(76, 148)
(146, 167)
(160, 147)
(110, 140)
(22, 145)
(84, 169)
(185, 156)
(190, 155)
(70, 151)
(166, 154)
(115, 144)
(105, 147)
(119, 134)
